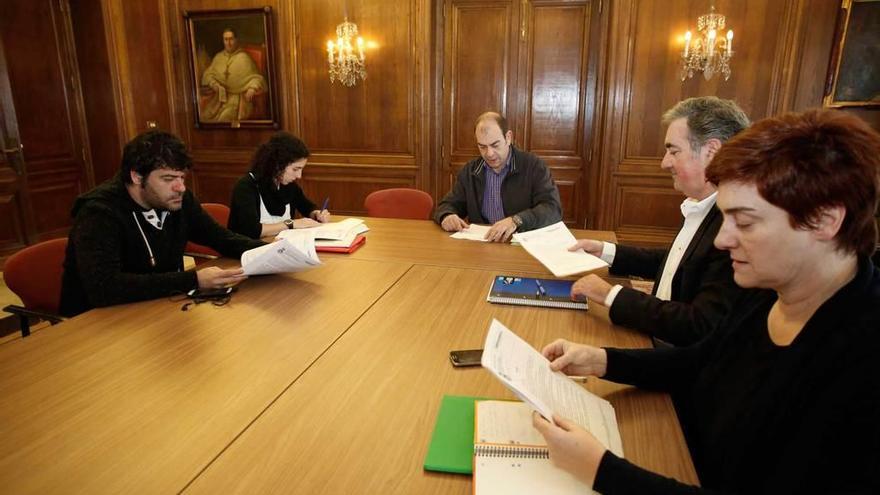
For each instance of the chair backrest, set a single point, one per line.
(220, 213)
(399, 203)
(34, 274)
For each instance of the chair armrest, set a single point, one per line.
(29, 313)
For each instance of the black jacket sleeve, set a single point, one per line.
(547, 208)
(639, 262)
(99, 263)
(619, 476)
(681, 322)
(244, 214)
(300, 202)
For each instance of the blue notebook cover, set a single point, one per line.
(526, 291)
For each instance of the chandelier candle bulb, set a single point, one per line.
(707, 50)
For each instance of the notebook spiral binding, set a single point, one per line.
(538, 302)
(515, 452)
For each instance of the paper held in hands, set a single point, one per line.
(527, 374)
(293, 254)
(550, 244)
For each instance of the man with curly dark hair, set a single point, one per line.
(129, 233)
(264, 200)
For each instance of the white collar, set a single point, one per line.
(157, 220)
(692, 206)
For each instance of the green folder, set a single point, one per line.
(452, 444)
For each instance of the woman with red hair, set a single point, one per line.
(785, 396)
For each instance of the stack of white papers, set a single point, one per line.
(293, 254)
(336, 234)
(474, 232)
(527, 374)
(550, 246)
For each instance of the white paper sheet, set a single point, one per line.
(290, 254)
(336, 231)
(527, 374)
(474, 232)
(550, 244)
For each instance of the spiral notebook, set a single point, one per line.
(526, 291)
(511, 457)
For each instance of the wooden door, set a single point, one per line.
(535, 62)
(13, 203)
(40, 63)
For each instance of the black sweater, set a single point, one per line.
(245, 215)
(759, 418)
(107, 261)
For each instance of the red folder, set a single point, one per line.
(358, 242)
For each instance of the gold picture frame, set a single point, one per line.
(231, 58)
(854, 72)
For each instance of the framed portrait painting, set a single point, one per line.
(231, 62)
(854, 71)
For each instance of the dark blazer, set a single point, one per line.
(528, 190)
(703, 290)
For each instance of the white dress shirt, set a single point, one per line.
(694, 212)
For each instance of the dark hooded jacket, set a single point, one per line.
(115, 256)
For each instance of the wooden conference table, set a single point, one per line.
(326, 381)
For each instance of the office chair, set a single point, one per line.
(399, 203)
(34, 275)
(201, 254)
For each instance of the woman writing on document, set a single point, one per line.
(785, 396)
(264, 200)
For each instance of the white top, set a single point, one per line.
(268, 218)
(694, 212)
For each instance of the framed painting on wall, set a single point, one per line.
(854, 72)
(231, 62)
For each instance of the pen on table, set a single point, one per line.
(541, 288)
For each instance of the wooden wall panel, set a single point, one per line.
(44, 80)
(556, 72)
(364, 131)
(644, 49)
(558, 89)
(105, 141)
(477, 72)
(532, 62)
(376, 115)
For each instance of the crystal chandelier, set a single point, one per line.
(707, 52)
(346, 56)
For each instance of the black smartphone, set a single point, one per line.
(210, 293)
(470, 357)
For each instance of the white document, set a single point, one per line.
(335, 231)
(291, 254)
(527, 374)
(474, 232)
(550, 244)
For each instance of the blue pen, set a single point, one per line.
(326, 203)
(541, 288)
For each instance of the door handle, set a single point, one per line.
(13, 162)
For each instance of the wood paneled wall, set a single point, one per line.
(584, 84)
(371, 136)
(40, 61)
(535, 62)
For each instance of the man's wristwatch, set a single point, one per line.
(517, 220)
(289, 223)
